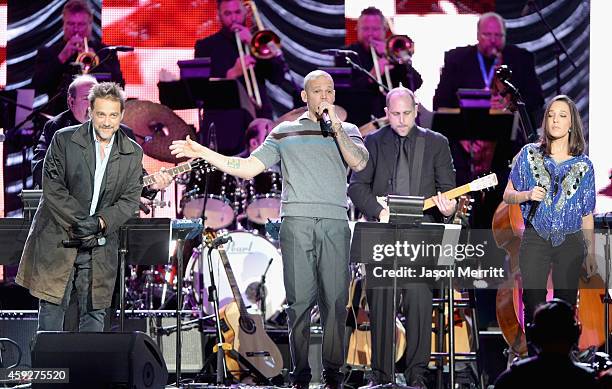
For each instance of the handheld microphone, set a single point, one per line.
(326, 124)
(76, 243)
(212, 137)
(118, 48)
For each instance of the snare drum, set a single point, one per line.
(221, 196)
(264, 197)
(249, 255)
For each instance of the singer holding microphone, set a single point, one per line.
(553, 181)
(55, 65)
(314, 152)
(92, 180)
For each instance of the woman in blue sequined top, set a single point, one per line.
(554, 184)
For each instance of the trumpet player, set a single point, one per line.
(223, 50)
(57, 65)
(371, 44)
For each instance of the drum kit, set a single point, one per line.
(225, 203)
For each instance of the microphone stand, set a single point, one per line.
(560, 47)
(364, 71)
(262, 291)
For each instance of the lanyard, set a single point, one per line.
(487, 78)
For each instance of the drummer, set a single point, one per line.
(254, 136)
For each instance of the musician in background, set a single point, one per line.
(255, 135)
(553, 181)
(371, 32)
(556, 333)
(222, 50)
(92, 179)
(314, 234)
(55, 68)
(405, 159)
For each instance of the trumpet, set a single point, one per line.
(265, 44)
(87, 59)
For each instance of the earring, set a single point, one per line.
(569, 131)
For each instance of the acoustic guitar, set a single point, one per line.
(245, 331)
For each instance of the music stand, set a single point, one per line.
(368, 234)
(30, 199)
(13, 234)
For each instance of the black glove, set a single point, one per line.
(89, 242)
(86, 227)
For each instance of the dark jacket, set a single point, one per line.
(435, 170)
(67, 193)
(462, 70)
(53, 77)
(67, 119)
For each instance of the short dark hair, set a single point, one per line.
(77, 6)
(576, 136)
(372, 11)
(219, 2)
(107, 90)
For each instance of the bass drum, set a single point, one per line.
(249, 255)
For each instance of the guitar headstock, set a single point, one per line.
(488, 181)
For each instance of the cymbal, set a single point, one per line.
(373, 125)
(155, 127)
(297, 112)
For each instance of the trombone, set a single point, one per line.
(399, 49)
(87, 59)
(265, 44)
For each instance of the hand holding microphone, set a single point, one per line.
(327, 112)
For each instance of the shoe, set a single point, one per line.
(369, 385)
(299, 386)
(331, 386)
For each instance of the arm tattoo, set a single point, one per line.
(357, 152)
(234, 163)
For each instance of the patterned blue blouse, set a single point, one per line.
(570, 191)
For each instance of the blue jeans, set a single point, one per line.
(51, 316)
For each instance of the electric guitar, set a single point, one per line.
(485, 182)
(245, 331)
(179, 169)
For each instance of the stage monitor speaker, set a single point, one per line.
(97, 360)
(192, 350)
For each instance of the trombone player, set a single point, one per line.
(226, 61)
(371, 50)
(57, 65)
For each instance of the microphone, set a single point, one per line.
(219, 240)
(326, 124)
(212, 137)
(76, 243)
(144, 208)
(339, 52)
(118, 48)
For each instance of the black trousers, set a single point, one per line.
(417, 307)
(537, 257)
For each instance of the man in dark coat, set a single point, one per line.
(54, 68)
(92, 179)
(405, 159)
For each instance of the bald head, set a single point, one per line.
(314, 75)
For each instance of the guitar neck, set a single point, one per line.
(451, 194)
(182, 168)
(232, 281)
